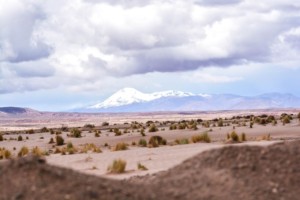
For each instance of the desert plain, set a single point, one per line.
(150, 144)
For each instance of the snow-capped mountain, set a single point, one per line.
(129, 96)
(132, 100)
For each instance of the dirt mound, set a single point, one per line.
(30, 178)
(234, 172)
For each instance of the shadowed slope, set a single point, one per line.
(234, 172)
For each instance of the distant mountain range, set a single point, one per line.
(132, 100)
(15, 110)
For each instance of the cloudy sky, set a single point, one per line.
(58, 55)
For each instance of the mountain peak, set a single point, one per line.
(128, 96)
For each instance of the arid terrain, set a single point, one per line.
(199, 150)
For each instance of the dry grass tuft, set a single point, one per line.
(203, 137)
(118, 166)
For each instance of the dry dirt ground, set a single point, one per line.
(266, 166)
(232, 172)
(155, 159)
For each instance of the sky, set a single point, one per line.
(58, 55)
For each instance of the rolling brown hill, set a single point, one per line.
(233, 172)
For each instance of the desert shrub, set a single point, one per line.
(251, 124)
(64, 128)
(243, 137)
(59, 140)
(51, 131)
(286, 119)
(1, 137)
(58, 133)
(44, 130)
(70, 148)
(97, 134)
(51, 141)
(181, 126)
(5, 154)
(173, 127)
(75, 132)
(182, 141)
(117, 132)
(142, 142)
(118, 166)
(153, 128)
(90, 126)
(266, 137)
(57, 150)
(20, 138)
(156, 140)
(36, 151)
(69, 145)
(194, 126)
(205, 124)
(220, 122)
(234, 136)
(121, 146)
(23, 151)
(133, 143)
(141, 167)
(91, 147)
(203, 137)
(31, 131)
(105, 124)
(143, 132)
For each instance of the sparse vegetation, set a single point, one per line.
(141, 167)
(118, 166)
(1, 137)
(117, 132)
(59, 140)
(121, 146)
(90, 126)
(153, 128)
(243, 137)
(97, 134)
(31, 131)
(91, 147)
(44, 130)
(51, 141)
(20, 138)
(142, 143)
(234, 136)
(105, 124)
(37, 151)
(143, 132)
(5, 154)
(182, 141)
(23, 151)
(156, 140)
(75, 132)
(203, 137)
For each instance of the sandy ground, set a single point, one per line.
(155, 159)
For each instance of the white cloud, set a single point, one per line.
(78, 42)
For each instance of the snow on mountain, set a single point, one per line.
(132, 100)
(128, 96)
